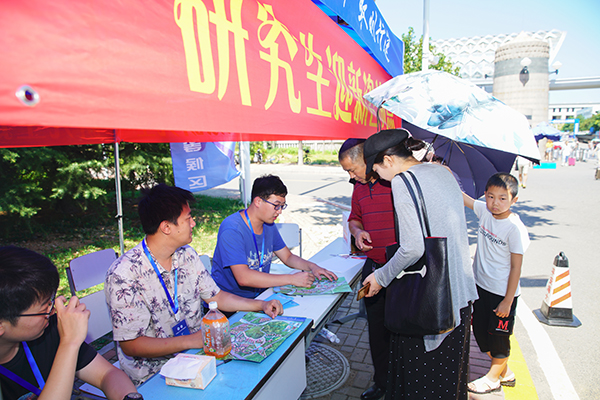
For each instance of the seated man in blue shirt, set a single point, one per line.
(247, 240)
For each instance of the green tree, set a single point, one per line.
(40, 186)
(413, 54)
(585, 124)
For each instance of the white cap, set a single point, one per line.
(212, 305)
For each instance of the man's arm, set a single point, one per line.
(252, 278)
(72, 328)
(112, 381)
(362, 237)
(149, 347)
(468, 200)
(293, 261)
(516, 261)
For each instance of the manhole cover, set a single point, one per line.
(326, 370)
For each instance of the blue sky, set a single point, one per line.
(579, 54)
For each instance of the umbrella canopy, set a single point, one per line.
(472, 165)
(545, 130)
(455, 108)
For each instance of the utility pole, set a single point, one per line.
(425, 55)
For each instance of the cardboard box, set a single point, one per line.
(206, 372)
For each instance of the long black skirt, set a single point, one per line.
(442, 373)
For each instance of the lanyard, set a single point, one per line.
(260, 255)
(34, 368)
(174, 304)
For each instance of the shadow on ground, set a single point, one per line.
(534, 281)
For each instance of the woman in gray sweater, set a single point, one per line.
(432, 366)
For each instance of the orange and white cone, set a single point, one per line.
(557, 307)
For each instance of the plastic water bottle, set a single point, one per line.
(215, 332)
(332, 337)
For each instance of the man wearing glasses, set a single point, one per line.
(247, 241)
(42, 344)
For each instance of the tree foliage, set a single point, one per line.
(46, 184)
(591, 124)
(413, 55)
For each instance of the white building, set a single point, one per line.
(475, 57)
(572, 110)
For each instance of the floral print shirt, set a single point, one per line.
(138, 304)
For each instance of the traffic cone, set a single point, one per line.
(557, 307)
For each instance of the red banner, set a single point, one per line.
(183, 70)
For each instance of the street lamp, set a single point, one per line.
(524, 74)
(488, 72)
(556, 66)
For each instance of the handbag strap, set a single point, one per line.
(418, 207)
(396, 236)
(423, 208)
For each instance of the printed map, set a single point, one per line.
(256, 336)
(323, 286)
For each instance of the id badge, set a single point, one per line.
(180, 328)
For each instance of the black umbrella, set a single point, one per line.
(472, 165)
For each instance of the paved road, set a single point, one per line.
(560, 208)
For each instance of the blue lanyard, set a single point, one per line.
(260, 255)
(174, 305)
(34, 368)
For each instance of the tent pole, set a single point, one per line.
(119, 216)
(245, 180)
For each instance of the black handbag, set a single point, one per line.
(419, 301)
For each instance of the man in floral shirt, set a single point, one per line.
(155, 291)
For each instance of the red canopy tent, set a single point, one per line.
(183, 70)
(161, 71)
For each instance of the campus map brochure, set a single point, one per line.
(285, 300)
(321, 286)
(256, 335)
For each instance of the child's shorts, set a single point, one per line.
(483, 312)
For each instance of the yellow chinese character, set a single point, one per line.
(268, 33)
(309, 56)
(360, 113)
(224, 26)
(343, 97)
(389, 119)
(370, 85)
(184, 10)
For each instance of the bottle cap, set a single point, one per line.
(212, 305)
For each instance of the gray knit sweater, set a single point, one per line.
(445, 209)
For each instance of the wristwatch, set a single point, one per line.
(133, 396)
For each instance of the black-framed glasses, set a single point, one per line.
(277, 206)
(50, 311)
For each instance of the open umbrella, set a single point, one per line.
(545, 130)
(472, 164)
(476, 134)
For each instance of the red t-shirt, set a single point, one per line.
(372, 206)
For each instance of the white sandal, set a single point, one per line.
(509, 380)
(483, 385)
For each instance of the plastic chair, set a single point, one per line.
(88, 271)
(207, 262)
(291, 235)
